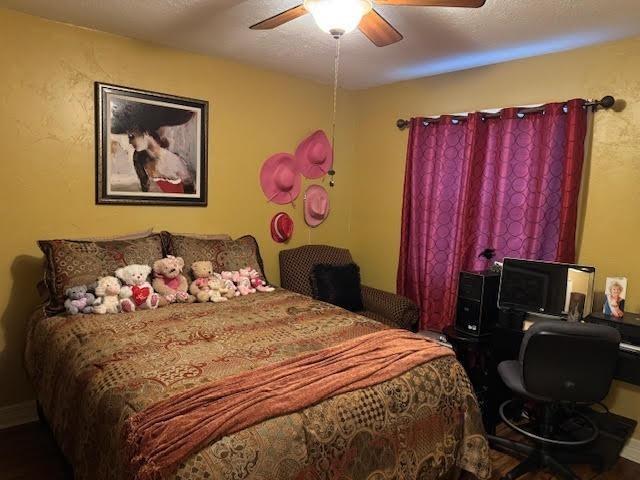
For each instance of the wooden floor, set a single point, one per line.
(623, 470)
(29, 452)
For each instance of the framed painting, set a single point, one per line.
(151, 148)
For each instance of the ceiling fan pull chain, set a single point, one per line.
(336, 68)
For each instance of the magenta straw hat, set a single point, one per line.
(316, 205)
(280, 179)
(314, 155)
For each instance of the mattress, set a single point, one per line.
(92, 372)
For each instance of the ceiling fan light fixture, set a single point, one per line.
(338, 17)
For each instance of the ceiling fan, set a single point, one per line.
(338, 17)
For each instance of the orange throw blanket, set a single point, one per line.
(163, 435)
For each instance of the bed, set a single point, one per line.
(92, 372)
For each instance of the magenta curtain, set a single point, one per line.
(510, 183)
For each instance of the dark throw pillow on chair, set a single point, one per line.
(337, 284)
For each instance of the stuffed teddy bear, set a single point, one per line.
(79, 300)
(229, 285)
(243, 282)
(137, 294)
(216, 284)
(256, 280)
(169, 282)
(108, 295)
(203, 274)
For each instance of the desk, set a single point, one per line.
(480, 357)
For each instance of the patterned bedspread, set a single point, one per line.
(92, 372)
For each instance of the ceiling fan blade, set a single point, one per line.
(378, 30)
(434, 3)
(281, 18)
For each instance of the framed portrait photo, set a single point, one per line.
(615, 292)
(151, 148)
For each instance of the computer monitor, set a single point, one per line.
(546, 288)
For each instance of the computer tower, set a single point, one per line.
(477, 308)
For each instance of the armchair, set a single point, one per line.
(388, 308)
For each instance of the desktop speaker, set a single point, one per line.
(477, 308)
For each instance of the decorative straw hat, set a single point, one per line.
(316, 205)
(314, 155)
(281, 227)
(280, 179)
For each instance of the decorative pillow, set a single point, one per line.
(74, 262)
(124, 236)
(168, 240)
(338, 285)
(205, 236)
(223, 254)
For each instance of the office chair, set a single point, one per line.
(561, 365)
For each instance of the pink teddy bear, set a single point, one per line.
(243, 282)
(256, 280)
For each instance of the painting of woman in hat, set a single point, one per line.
(154, 149)
(156, 165)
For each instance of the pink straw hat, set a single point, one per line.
(280, 179)
(314, 155)
(316, 205)
(281, 227)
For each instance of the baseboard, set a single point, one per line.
(18, 414)
(631, 450)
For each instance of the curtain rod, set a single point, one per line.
(606, 102)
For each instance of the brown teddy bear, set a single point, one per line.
(169, 282)
(204, 278)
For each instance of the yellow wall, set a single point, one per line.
(47, 170)
(610, 223)
(47, 145)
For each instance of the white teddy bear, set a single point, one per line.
(217, 289)
(137, 294)
(229, 285)
(107, 293)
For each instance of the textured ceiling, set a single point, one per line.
(436, 40)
